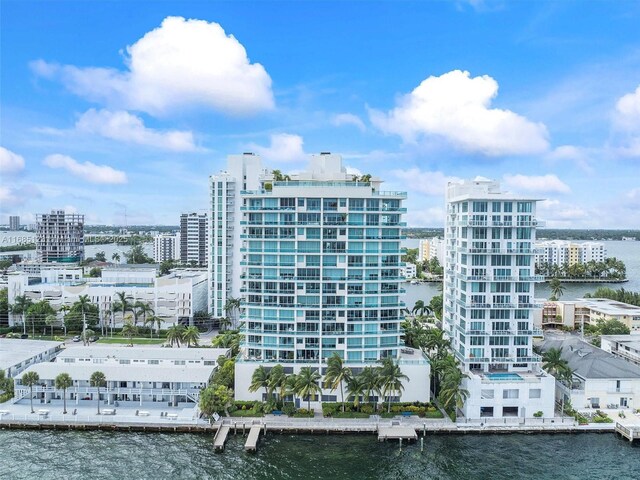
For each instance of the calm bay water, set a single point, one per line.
(88, 455)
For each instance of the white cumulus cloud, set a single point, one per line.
(10, 162)
(87, 171)
(536, 183)
(284, 147)
(126, 127)
(342, 119)
(627, 121)
(182, 63)
(12, 197)
(456, 107)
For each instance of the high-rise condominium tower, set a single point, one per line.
(193, 238)
(489, 303)
(319, 257)
(59, 237)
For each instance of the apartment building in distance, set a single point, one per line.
(624, 346)
(489, 300)
(193, 238)
(166, 247)
(584, 311)
(561, 252)
(59, 237)
(14, 223)
(319, 257)
(431, 248)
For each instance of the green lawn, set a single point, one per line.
(135, 341)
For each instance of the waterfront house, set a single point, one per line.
(16, 355)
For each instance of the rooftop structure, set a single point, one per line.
(624, 346)
(17, 354)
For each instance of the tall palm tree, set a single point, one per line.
(64, 309)
(98, 380)
(64, 381)
(116, 257)
(191, 335)
(553, 362)
(21, 304)
(29, 379)
(224, 323)
(151, 321)
(122, 304)
(290, 385)
(435, 343)
(175, 334)
(355, 389)
(277, 380)
(420, 308)
(260, 379)
(307, 384)
(143, 309)
(371, 382)
(391, 378)
(451, 395)
(337, 375)
(556, 287)
(50, 320)
(231, 306)
(129, 330)
(82, 305)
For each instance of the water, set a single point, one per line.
(628, 252)
(84, 455)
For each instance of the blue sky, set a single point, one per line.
(117, 105)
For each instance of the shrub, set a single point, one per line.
(367, 409)
(538, 414)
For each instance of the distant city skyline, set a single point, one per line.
(117, 112)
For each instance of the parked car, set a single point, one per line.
(76, 338)
(24, 335)
(94, 338)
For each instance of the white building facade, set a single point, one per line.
(489, 300)
(193, 238)
(321, 275)
(166, 247)
(59, 237)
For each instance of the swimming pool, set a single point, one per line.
(503, 376)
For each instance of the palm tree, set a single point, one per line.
(371, 383)
(230, 307)
(435, 344)
(175, 334)
(122, 304)
(87, 333)
(337, 374)
(29, 379)
(355, 389)
(129, 330)
(557, 289)
(64, 309)
(50, 320)
(143, 309)
(391, 378)
(153, 320)
(277, 380)
(277, 176)
(553, 362)
(64, 381)
(191, 335)
(420, 308)
(98, 380)
(82, 305)
(224, 323)
(307, 384)
(290, 385)
(116, 257)
(451, 395)
(21, 304)
(260, 379)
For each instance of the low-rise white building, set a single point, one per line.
(139, 374)
(409, 271)
(624, 346)
(600, 379)
(16, 355)
(583, 311)
(174, 297)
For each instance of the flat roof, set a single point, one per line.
(632, 341)
(131, 373)
(139, 352)
(14, 350)
(611, 307)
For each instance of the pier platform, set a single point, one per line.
(397, 432)
(251, 444)
(221, 437)
(631, 433)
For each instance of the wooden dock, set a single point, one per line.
(221, 437)
(251, 444)
(630, 433)
(397, 432)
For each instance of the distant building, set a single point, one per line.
(166, 247)
(624, 346)
(561, 252)
(59, 237)
(193, 238)
(600, 379)
(409, 270)
(16, 355)
(14, 222)
(583, 311)
(431, 248)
